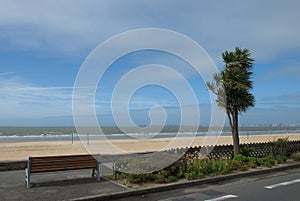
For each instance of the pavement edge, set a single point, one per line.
(173, 186)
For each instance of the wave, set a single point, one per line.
(77, 137)
(69, 133)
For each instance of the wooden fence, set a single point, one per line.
(281, 147)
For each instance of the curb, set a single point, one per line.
(173, 186)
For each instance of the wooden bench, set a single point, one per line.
(62, 163)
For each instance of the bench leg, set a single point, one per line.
(96, 172)
(27, 178)
(114, 170)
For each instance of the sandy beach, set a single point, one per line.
(11, 151)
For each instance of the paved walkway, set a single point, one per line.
(79, 184)
(54, 186)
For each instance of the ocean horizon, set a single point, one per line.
(15, 134)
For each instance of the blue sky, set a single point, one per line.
(44, 43)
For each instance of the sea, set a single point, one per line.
(19, 134)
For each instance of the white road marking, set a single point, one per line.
(225, 197)
(282, 184)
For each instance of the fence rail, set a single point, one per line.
(261, 149)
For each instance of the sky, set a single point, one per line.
(43, 45)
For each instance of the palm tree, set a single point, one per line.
(232, 87)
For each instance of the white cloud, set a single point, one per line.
(72, 27)
(6, 73)
(20, 99)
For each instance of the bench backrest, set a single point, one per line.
(61, 163)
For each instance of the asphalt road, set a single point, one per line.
(279, 186)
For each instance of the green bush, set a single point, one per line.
(160, 177)
(225, 166)
(178, 168)
(171, 179)
(139, 178)
(260, 161)
(266, 161)
(191, 167)
(200, 167)
(245, 151)
(252, 162)
(192, 175)
(209, 167)
(280, 147)
(241, 158)
(239, 165)
(281, 159)
(296, 156)
(269, 161)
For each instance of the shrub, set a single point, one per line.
(241, 158)
(238, 165)
(281, 159)
(260, 161)
(296, 156)
(201, 167)
(160, 176)
(192, 175)
(139, 178)
(192, 166)
(178, 168)
(171, 179)
(280, 147)
(269, 161)
(225, 166)
(245, 151)
(252, 162)
(266, 162)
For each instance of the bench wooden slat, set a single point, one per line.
(53, 161)
(63, 156)
(37, 164)
(61, 163)
(67, 159)
(60, 158)
(58, 168)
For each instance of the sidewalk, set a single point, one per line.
(78, 185)
(54, 186)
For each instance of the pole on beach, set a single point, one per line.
(248, 131)
(72, 138)
(88, 139)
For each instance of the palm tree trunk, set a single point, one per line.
(230, 120)
(235, 133)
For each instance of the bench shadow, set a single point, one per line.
(65, 182)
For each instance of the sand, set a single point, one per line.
(12, 151)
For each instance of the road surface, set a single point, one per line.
(279, 186)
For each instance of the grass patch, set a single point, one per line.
(197, 168)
